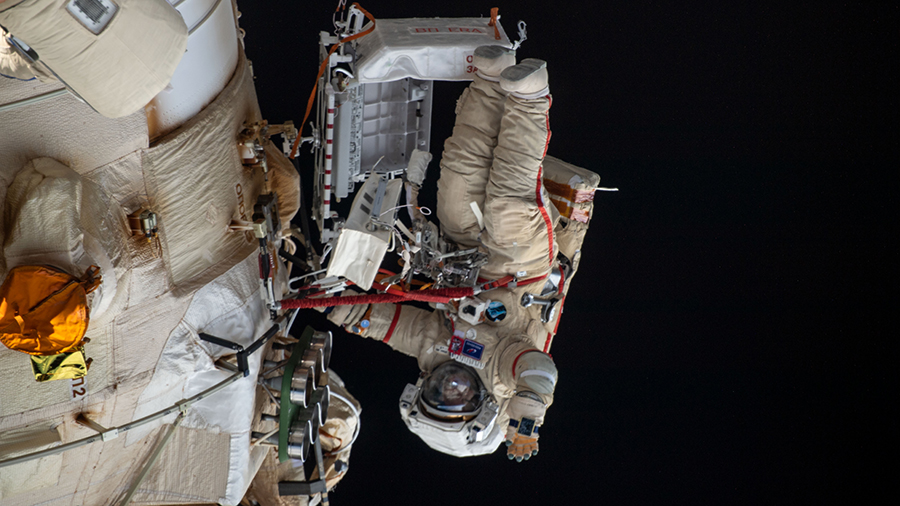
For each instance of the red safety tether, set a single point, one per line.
(394, 295)
(342, 300)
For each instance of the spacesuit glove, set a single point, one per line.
(526, 413)
(521, 447)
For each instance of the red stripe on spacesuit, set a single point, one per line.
(540, 202)
(396, 319)
(540, 198)
(516, 361)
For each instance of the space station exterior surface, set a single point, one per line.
(72, 172)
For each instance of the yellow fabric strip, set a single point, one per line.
(62, 366)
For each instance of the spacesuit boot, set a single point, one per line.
(492, 60)
(468, 153)
(526, 80)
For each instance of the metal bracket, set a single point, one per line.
(243, 354)
(286, 488)
(548, 312)
(105, 434)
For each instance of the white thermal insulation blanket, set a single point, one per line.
(117, 70)
(197, 277)
(438, 49)
(56, 217)
(197, 185)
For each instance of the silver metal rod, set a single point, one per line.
(320, 462)
(33, 100)
(153, 458)
(178, 406)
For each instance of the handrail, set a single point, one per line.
(181, 405)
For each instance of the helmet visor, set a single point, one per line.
(452, 390)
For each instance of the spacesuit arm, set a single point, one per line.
(534, 377)
(407, 329)
(525, 368)
(415, 177)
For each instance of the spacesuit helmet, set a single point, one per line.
(452, 392)
(451, 411)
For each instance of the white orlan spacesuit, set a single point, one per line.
(492, 379)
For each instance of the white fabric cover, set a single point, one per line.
(359, 251)
(33, 475)
(58, 129)
(197, 185)
(55, 217)
(424, 48)
(230, 308)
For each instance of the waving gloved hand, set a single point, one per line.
(526, 414)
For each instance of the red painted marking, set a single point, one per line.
(330, 111)
(327, 186)
(328, 157)
(329, 141)
(516, 361)
(329, 125)
(327, 202)
(390, 331)
(546, 216)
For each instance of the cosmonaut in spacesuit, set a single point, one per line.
(486, 374)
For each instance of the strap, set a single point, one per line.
(493, 22)
(394, 321)
(505, 282)
(534, 372)
(91, 279)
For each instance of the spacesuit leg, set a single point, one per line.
(519, 219)
(466, 161)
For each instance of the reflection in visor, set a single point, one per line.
(453, 388)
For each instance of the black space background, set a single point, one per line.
(727, 339)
